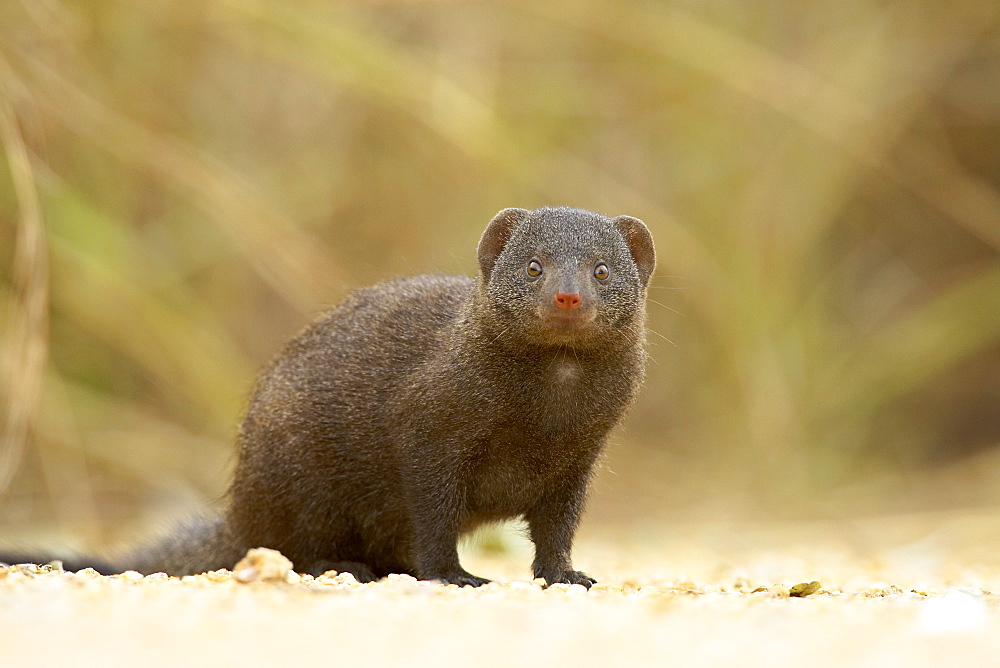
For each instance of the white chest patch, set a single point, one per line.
(567, 371)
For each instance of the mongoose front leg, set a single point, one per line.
(552, 524)
(440, 563)
(435, 521)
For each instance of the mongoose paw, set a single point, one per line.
(568, 577)
(461, 578)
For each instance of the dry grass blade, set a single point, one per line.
(27, 335)
(345, 53)
(285, 255)
(913, 351)
(864, 130)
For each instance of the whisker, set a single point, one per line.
(635, 330)
(561, 355)
(666, 307)
(500, 335)
(661, 336)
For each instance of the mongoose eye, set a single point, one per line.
(534, 269)
(601, 272)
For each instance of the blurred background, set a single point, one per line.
(185, 184)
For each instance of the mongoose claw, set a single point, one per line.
(569, 577)
(462, 579)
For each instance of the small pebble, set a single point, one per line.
(803, 589)
(262, 564)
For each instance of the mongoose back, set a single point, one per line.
(421, 408)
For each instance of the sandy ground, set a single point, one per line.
(929, 595)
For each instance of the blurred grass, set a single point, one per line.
(822, 181)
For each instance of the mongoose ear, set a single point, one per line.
(640, 244)
(495, 238)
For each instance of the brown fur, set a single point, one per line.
(421, 408)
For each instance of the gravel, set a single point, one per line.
(705, 614)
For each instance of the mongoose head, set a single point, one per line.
(566, 276)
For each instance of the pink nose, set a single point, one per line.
(568, 300)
